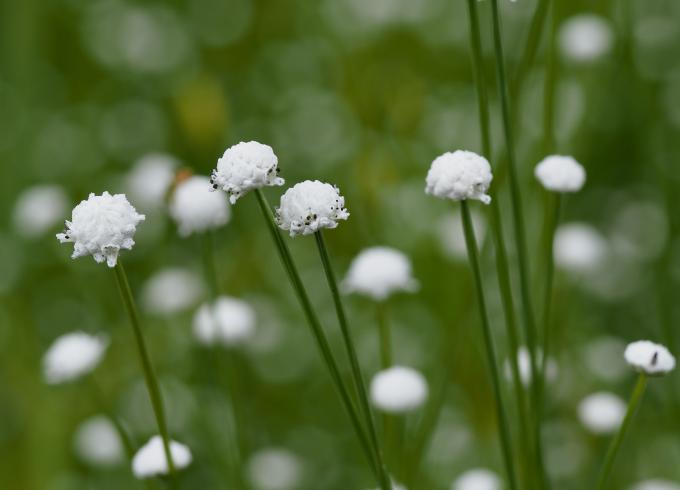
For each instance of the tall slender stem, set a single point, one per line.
(550, 85)
(210, 263)
(385, 335)
(531, 46)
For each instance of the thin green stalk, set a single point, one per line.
(633, 404)
(550, 86)
(531, 46)
(473, 256)
(385, 335)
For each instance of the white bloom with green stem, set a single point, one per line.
(195, 208)
(226, 321)
(649, 358)
(601, 412)
(97, 442)
(73, 355)
(477, 479)
(398, 389)
(379, 272)
(38, 209)
(150, 459)
(459, 176)
(560, 173)
(310, 206)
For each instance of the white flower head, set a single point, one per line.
(150, 459)
(585, 37)
(398, 389)
(195, 208)
(378, 272)
(524, 365)
(96, 441)
(38, 209)
(477, 479)
(650, 358)
(246, 166)
(309, 206)
(579, 248)
(459, 176)
(73, 355)
(229, 321)
(150, 179)
(101, 226)
(560, 174)
(275, 469)
(602, 412)
(656, 484)
(171, 290)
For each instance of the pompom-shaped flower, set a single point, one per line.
(38, 209)
(459, 176)
(72, 356)
(650, 358)
(101, 226)
(398, 389)
(560, 174)
(97, 442)
(309, 206)
(195, 209)
(602, 412)
(378, 272)
(275, 469)
(150, 460)
(246, 166)
(229, 321)
(477, 479)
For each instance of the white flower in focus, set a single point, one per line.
(579, 248)
(650, 358)
(524, 365)
(72, 356)
(378, 272)
(229, 321)
(602, 412)
(560, 174)
(195, 208)
(585, 37)
(246, 166)
(398, 389)
(171, 290)
(101, 226)
(38, 209)
(458, 176)
(150, 179)
(309, 206)
(96, 441)
(477, 479)
(275, 469)
(150, 459)
(656, 484)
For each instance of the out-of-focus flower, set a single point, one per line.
(602, 357)
(38, 209)
(560, 174)
(149, 180)
(524, 365)
(171, 290)
(310, 206)
(101, 226)
(195, 208)
(398, 389)
(229, 321)
(275, 469)
(650, 358)
(72, 356)
(96, 441)
(656, 484)
(150, 459)
(458, 176)
(579, 248)
(585, 37)
(477, 479)
(244, 167)
(378, 272)
(602, 412)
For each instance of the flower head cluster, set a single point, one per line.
(378, 272)
(195, 209)
(601, 412)
(150, 460)
(97, 442)
(72, 356)
(38, 209)
(477, 479)
(229, 321)
(459, 176)
(560, 174)
(650, 358)
(101, 226)
(309, 206)
(398, 389)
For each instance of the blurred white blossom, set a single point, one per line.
(97, 442)
(38, 209)
(585, 37)
(602, 412)
(398, 389)
(378, 272)
(150, 179)
(195, 208)
(228, 321)
(275, 468)
(171, 290)
(72, 356)
(150, 459)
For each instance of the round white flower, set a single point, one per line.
(72, 356)
(150, 179)
(602, 412)
(579, 248)
(275, 469)
(101, 226)
(309, 206)
(171, 290)
(524, 365)
(398, 389)
(150, 459)
(378, 272)
(97, 442)
(477, 479)
(560, 174)
(195, 208)
(656, 484)
(585, 37)
(246, 166)
(458, 176)
(229, 321)
(650, 358)
(38, 209)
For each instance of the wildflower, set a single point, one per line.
(458, 176)
(656, 484)
(310, 206)
(97, 442)
(150, 459)
(649, 358)
(398, 389)
(602, 412)
(195, 209)
(560, 174)
(227, 321)
(150, 179)
(275, 469)
(477, 479)
(524, 365)
(171, 290)
(73, 355)
(585, 37)
(246, 166)
(38, 209)
(579, 248)
(101, 226)
(378, 272)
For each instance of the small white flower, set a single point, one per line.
(150, 179)
(38, 209)
(195, 208)
(579, 248)
(150, 459)
(524, 365)
(378, 272)
(560, 173)
(246, 166)
(275, 469)
(585, 37)
(459, 176)
(101, 226)
(96, 441)
(72, 356)
(229, 321)
(477, 479)
(309, 206)
(171, 290)
(650, 358)
(398, 389)
(656, 484)
(602, 412)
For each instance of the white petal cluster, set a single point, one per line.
(524, 365)
(96, 441)
(150, 179)
(477, 479)
(579, 248)
(560, 174)
(275, 469)
(602, 412)
(195, 208)
(459, 176)
(585, 37)
(650, 358)
(309, 206)
(72, 356)
(246, 166)
(150, 459)
(656, 484)
(229, 321)
(378, 272)
(101, 226)
(38, 209)
(171, 290)
(398, 389)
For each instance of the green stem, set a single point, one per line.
(210, 263)
(550, 86)
(616, 442)
(385, 335)
(531, 47)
